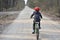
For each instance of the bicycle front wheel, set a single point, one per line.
(37, 34)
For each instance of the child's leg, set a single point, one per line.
(39, 26)
(33, 27)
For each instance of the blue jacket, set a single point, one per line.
(37, 16)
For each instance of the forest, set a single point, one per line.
(49, 6)
(10, 5)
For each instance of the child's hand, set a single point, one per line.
(30, 17)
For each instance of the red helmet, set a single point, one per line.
(36, 8)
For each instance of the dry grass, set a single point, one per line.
(7, 19)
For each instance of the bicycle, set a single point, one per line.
(37, 30)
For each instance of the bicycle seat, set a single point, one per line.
(37, 22)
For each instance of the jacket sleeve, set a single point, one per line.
(40, 15)
(32, 15)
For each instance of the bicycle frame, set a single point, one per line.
(37, 30)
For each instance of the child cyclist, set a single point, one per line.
(37, 18)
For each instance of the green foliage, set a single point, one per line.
(41, 0)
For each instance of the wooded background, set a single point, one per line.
(11, 5)
(50, 6)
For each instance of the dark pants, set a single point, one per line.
(34, 25)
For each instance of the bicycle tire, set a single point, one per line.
(37, 34)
